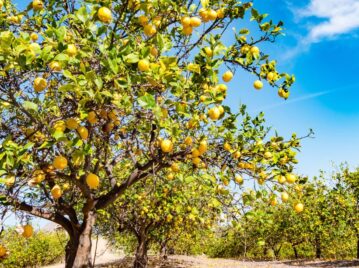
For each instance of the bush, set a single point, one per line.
(41, 249)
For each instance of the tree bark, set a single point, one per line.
(318, 248)
(78, 249)
(164, 254)
(295, 251)
(141, 258)
(358, 248)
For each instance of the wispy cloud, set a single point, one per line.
(303, 98)
(306, 97)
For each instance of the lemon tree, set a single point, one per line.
(96, 96)
(157, 210)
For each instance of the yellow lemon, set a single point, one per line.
(56, 192)
(2, 251)
(91, 117)
(92, 181)
(149, 30)
(38, 176)
(254, 50)
(212, 14)
(290, 178)
(188, 141)
(202, 148)
(37, 5)
(143, 20)
(71, 50)
(299, 207)
(258, 84)
(227, 76)
(39, 84)
(59, 126)
(166, 146)
(27, 231)
(220, 13)
(72, 123)
(196, 161)
(214, 113)
(104, 14)
(34, 37)
(238, 179)
(186, 21)
(284, 197)
(187, 30)
(208, 51)
(60, 162)
(195, 22)
(144, 65)
(83, 132)
(55, 66)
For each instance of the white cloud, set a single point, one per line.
(337, 17)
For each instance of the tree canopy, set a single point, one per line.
(96, 97)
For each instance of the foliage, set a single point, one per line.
(97, 96)
(41, 249)
(326, 228)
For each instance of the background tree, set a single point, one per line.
(157, 211)
(98, 96)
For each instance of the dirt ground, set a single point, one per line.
(108, 258)
(204, 262)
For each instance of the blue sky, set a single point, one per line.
(320, 48)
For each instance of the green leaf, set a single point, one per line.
(61, 33)
(28, 105)
(189, 179)
(132, 58)
(58, 134)
(147, 101)
(62, 57)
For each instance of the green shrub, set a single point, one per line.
(41, 249)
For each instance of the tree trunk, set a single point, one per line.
(318, 248)
(277, 251)
(78, 249)
(295, 251)
(141, 258)
(164, 255)
(358, 248)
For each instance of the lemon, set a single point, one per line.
(92, 181)
(166, 146)
(104, 14)
(27, 231)
(83, 132)
(39, 84)
(144, 65)
(72, 123)
(56, 192)
(60, 162)
(227, 76)
(37, 5)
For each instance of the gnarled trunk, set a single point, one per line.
(78, 249)
(141, 258)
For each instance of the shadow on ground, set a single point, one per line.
(155, 262)
(127, 262)
(345, 263)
